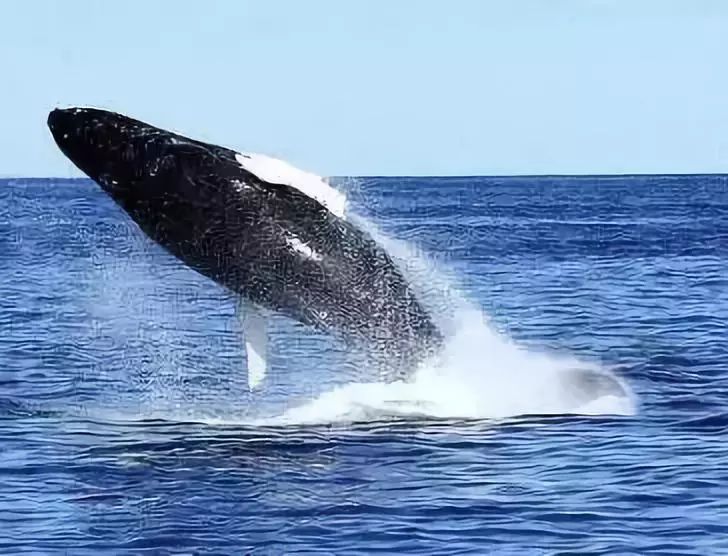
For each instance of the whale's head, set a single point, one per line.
(128, 158)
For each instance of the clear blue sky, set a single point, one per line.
(381, 87)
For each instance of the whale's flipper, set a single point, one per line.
(255, 331)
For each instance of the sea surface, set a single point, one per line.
(127, 426)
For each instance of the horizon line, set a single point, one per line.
(445, 176)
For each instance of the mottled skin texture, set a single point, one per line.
(196, 201)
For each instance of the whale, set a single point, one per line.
(277, 237)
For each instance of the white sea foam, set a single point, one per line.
(480, 374)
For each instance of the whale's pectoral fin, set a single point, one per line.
(255, 330)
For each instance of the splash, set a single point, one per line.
(481, 373)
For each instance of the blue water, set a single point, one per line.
(126, 425)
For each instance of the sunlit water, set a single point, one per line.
(580, 403)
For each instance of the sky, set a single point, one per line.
(382, 87)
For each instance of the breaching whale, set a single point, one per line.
(275, 235)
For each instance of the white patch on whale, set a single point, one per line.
(239, 186)
(274, 170)
(304, 249)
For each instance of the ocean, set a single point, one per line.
(127, 427)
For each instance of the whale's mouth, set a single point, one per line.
(84, 130)
(105, 146)
(116, 151)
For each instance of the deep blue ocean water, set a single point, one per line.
(126, 425)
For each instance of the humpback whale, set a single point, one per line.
(274, 235)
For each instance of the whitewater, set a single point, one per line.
(480, 374)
